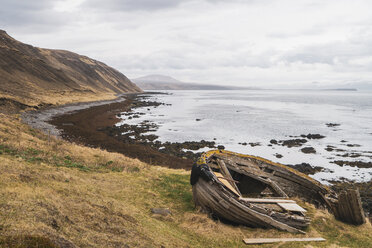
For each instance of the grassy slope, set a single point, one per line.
(58, 98)
(55, 193)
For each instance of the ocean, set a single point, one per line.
(246, 122)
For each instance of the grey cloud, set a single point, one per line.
(330, 53)
(150, 5)
(30, 16)
(127, 5)
(179, 60)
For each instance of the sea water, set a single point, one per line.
(258, 116)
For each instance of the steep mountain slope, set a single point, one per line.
(34, 75)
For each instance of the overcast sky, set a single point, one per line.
(259, 43)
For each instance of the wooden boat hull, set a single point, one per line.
(219, 202)
(217, 191)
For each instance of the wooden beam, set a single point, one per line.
(277, 188)
(278, 240)
(292, 207)
(266, 200)
(227, 174)
(226, 182)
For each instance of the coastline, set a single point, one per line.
(39, 118)
(87, 123)
(93, 124)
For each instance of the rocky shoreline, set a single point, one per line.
(55, 121)
(94, 125)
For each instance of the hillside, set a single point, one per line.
(59, 194)
(34, 76)
(160, 82)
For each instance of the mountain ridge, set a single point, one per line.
(35, 75)
(162, 82)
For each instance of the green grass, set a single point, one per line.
(176, 189)
(69, 163)
(32, 155)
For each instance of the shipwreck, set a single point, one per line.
(256, 192)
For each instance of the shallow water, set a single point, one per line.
(233, 117)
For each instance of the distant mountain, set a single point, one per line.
(157, 79)
(161, 82)
(34, 75)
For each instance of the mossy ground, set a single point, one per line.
(57, 194)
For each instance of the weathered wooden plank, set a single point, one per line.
(358, 212)
(293, 207)
(267, 181)
(266, 200)
(237, 211)
(349, 208)
(227, 174)
(278, 240)
(226, 183)
(277, 188)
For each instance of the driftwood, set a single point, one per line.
(279, 240)
(262, 196)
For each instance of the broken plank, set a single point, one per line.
(293, 207)
(266, 200)
(227, 174)
(278, 240)
(226, 183)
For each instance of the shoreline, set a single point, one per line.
(40, 118)
(91, 126)
(56, 120)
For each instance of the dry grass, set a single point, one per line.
(54, 193)
(60, 97)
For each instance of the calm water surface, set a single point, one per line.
(233, 117)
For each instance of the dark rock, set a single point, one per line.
(330, 148)
(313, 136)
(198, 119)
(278, 155)
(350, 155)
(273, 141)
(253, 144)
(308, 149)
(332, 124)
(359, 164)
(353, 145)
(221, 147)
(306, 168)
(293, 142)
